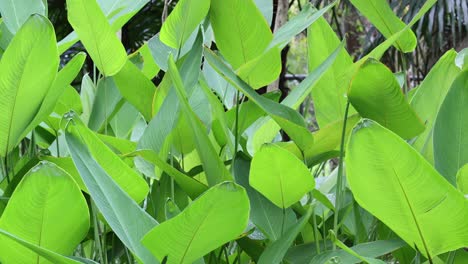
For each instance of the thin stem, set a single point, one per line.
(97, 238)
(339, 183)
(5, 168)
(282, 221)
(405, 72)
(316, 238)
(57, 144)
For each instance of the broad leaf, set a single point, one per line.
(16, 12)
(387, 177)
(382, 17)
(451, 130)
(105, 104)
(375, 94)
(97, 35)
(27, 71)
(182, 21)
(46, 209)
(243, 35)
(329, 92)
(429, 97)
(127, 220)
(217, 217)
(280, 176)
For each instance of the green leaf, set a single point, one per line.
(136, 88)
(242, 35)
(429, 97)
(382, 17)
(266, 216)
(214, 167)
(329, 92)
(266, 129)
(191, 186)
(125, 177)
(46, 209)
(276, 251)
(16, 12)
(387, 176)
(280, 176)
(182, 21)
(450, 130)
(288, 119)
(375, 94)
(97, 35)
(297, 24)
(371, 249)
(27, 71)
(217, 217)
(462, 179)
(105, 104)
(51, 256)
(118, 208)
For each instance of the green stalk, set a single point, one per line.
(405, 72)
(97, 238)
(5, 168)
(339, 181)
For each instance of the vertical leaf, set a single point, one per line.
(97, 35)
(16, 12)
(27, 71)
(451, 130)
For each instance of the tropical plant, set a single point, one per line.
(195, 170)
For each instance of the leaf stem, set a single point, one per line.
(339, 181)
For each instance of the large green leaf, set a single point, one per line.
(213, 166)
(217, 217)
(387, 177)
(48, 210)
(97, 35)
(451, 130)
(136, 88)
(182, 21)
(242, 35)
(380, 14)
(288, 119)
(428, 98)
(280, 176)
(276, 251)
(105, 104)
(376, 94)
(27, 71)
(329, 92)
(127, 220)
(127, 178)
(16, 12)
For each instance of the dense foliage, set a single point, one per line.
(201, 167)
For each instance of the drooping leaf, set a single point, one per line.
(387, 177)
(129, 222)
(242, 35)
(280, 176)
(16, 12)
(375, 94)
(275, 252)
(27, 71)
(46, 209)
(97, 35)
(217, 217)
(451, 130)
(182, 21)
(382, 17)
(136, 88)
(429, 97)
